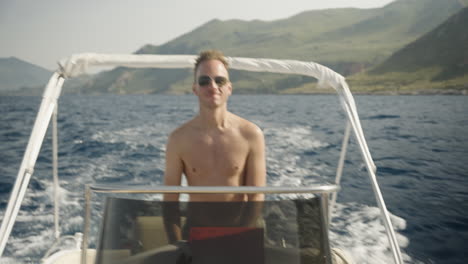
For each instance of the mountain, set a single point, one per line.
(438, 60)
(16, 74)
(445, 47)
(361, 35)
(348, 40)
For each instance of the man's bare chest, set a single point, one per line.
(212, 156)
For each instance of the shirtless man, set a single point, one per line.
(216, 147)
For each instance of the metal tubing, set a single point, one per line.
(55, 171)
(87, 223)
(378, 195)
(212, 189)
(386, 219)
(324, 209)
(339, 170)
(44, 115)
(350, 110)
(12, 210)
(356, 124)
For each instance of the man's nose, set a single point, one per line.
(213, 84)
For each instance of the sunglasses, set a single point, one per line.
(206, 80)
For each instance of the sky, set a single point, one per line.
(44, 31)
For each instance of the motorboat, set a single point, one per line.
(290, 226)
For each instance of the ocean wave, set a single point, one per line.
(419, 153)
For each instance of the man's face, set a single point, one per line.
(212, 85)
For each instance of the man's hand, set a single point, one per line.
(172, 176)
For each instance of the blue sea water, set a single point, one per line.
(419, 144)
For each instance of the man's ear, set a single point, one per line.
(194, 89)
(230, 88)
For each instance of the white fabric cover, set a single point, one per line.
(79, 63)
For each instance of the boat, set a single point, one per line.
(270, 241)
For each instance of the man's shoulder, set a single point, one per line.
(248, 128)
(183, 130)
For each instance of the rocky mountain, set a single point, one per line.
(437, 62)
(17, 74)
(348, 40)
(445, 47)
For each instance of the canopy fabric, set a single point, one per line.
(79, 63)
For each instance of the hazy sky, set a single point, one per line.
(44, 31)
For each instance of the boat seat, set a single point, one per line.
(148, 226)
(151, 232)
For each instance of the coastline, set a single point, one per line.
(452, 92)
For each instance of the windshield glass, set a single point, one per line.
(279, 231)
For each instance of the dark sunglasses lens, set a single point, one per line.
(204, 80)
(220, 81)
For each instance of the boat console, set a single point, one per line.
(284, 228)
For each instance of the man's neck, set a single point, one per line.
(216, 118)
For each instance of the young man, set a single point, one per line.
(215, 148)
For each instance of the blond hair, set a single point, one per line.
(210, 55)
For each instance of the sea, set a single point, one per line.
(419, 145)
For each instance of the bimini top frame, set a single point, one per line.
(78, 64)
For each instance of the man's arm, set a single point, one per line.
(255, 176)
(256, 167)
(172, 176)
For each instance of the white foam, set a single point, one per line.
(358, 230)
(296, 138)
(33, 245)
(285, 156)
(9, 260)
(146, 135)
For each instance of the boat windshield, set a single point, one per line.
(272, 231)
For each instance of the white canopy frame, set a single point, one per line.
(79, 63)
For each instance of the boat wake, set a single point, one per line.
(133, 153)
(358, 230)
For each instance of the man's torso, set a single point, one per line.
(214, 157)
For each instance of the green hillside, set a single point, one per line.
(446, 47)
(16, 74)
(438, 60)
(348, 40)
